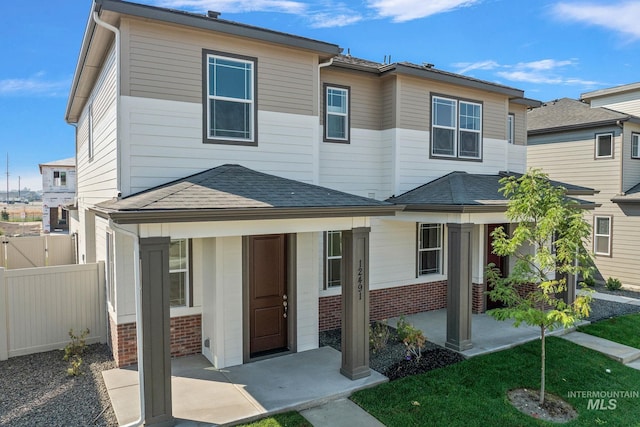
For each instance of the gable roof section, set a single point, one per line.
(233, 192)
(566, 114)
(587, 96)
(632, 195)
(463, 193)
(70, 162)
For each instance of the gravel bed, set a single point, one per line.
(601, 309)
(35, 390)
(620, 292)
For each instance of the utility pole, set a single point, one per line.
(7, 178)
(19, 198)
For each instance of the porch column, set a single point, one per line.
(459, 299)
(569, 296)
(156, 355)
(355, 303)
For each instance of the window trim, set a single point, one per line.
(635, 136)
(457, 129)
(419, 249)
(511, 128)
(206, 139)
(597, 136)
(596, 235)
(189, 276)
(326, 258)
(63, 182)
(347, 115)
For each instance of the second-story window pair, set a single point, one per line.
(456, 128)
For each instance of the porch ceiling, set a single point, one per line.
(233, 192)
(461, 192)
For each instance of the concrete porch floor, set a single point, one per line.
(203, 395)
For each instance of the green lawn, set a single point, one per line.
(288, 419)
(473, 392)
(623, 329)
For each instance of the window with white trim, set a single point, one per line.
(336, 123)
(635, 145)
(429, 249)
(604, 146)
(456, 128)
(230, 99)
(511, 128)
(333, 260)
(602, 235)
(179, 273)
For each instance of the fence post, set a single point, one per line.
(4, 342)
(102, 304)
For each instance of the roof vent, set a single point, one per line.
(213, 14)
(427, 65)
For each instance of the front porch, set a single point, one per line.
(203, 394)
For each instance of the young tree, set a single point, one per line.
(547, 244)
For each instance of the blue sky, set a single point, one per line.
(550, 49)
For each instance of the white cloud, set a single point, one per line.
(35, 85)
(465, 67)
(407, 10)
(325, 20)
(236, 6)
(622, 17)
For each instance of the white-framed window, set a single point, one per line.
(230, 99)
(604, 146)
(110, 269)
(635, 145)
(179, 273)
(456, 128)
(59, 178)
(429, 249)
(336, 118)
(511, 128)
(333, 259)
(602, 235)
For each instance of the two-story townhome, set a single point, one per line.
(596, 146)
(58, 191)
(248, 188)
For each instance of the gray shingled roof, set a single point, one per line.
(632, 195)
(237, 188)
(462, 191)
(569, 113)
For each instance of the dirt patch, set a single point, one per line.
(554, 409)
(21, 228)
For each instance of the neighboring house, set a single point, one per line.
(58, 191)
(596, 147)
(261, 187)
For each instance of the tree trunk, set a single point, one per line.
(542, 360)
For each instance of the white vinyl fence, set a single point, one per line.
(37, 251)
(38, 307)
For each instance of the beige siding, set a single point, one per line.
(630, 167)
(389, 106)
(520, 114)
(97, 177)
(365, 92)
(414, 100)
(627, 102)
(165, 62)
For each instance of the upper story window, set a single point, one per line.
(336, 119)
(511, 128)
(230, 104)
(604, 146)
(179, 273)
(635, 145)
(59, 178)
(456, 128)
(429, 249)
(333, 260)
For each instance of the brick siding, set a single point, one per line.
(478, 298)
(185, 333)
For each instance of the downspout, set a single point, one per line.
(316, 162)
(116, 31)
(138, 302)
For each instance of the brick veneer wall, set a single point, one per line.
(185, 333)
(388, 302)
(478, 298)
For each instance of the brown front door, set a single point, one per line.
(267, 294)
(499, 261)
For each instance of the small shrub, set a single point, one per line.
(613, 284)
(379, 335)
(412, 338)
(589, 281)
(74, 350)
(4, 214)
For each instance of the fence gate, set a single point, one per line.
(37, 251)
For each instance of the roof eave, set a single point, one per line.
(426, 207)
(564, 128)
(528, 102)
(243, 214)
